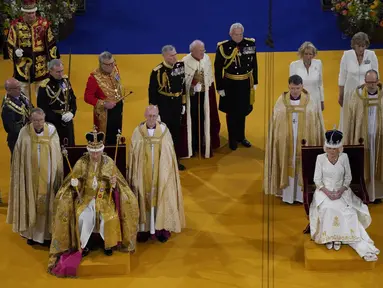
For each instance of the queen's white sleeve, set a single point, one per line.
(318, 175)
(347, 171)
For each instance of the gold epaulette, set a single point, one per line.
(158, 67)
(222, 42)
(44, 82)
(250, 39)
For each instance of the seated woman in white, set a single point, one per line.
(337, 216)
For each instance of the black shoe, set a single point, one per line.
(31, 242)
(85, 252)
(245, 143)
(47, 243)
(108, 252)
(142, 237)
(162, 238)
(233, 146)
(181, 167)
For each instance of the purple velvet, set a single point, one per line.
(67, 264)
(163, 233)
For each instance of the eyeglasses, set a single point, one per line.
(109, 64)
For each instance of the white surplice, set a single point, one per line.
(312, 78)
(351, 75)
(40, 231)
(293, 192)
(150, 224)
(345, 219)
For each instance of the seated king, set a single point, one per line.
(84, 206)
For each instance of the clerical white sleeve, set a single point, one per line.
(293, 192)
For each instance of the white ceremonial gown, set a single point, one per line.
(351, 75)
(151, 225)
(40, 231)
(345, 219)
(293, 192)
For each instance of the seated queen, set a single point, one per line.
(337, 215)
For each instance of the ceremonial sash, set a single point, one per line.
(40, 168)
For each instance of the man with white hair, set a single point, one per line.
(105, 93)
(155, 180)
(236, 77)
(36, 175)
(57, 99)
(167, 91)
(31, 45)
(202, 134)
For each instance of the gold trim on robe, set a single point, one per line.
(112, 89)
(170, 213)
(278, 156)
(357, 127)
(67, 210)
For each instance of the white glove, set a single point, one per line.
(222, 93)
(74, 182)
(255, 87)
(183, 110)
(19, 53)
(197, 87)
(67, 117)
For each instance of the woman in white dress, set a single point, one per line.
(310, 70)
(337, 216)
(353, 67)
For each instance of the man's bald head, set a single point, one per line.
(151, 109)
(12, 86)
(151, 115)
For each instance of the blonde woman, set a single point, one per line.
(337, 216)
(353, 67)
(310, 70)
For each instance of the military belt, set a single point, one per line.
(238, 77)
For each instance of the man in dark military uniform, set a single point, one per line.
(236, 77)
(58, 101)
(15, 111)
(167, 91)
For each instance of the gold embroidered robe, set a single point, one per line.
(26, 201)
(117, 228)
(168, 198)
(357, 127)
(279, 158)
(103, 87)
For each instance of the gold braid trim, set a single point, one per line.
(367, 103)
(230, 57)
